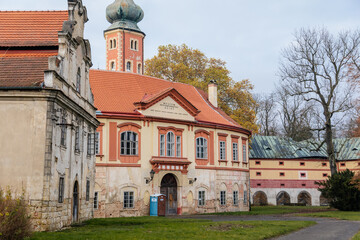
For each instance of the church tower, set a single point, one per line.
(124, 39)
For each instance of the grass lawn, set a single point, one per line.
(356, 237)
(272, 210)
(352, 216)
(164, 228)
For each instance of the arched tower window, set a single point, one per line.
(114, 43)
(112, 66)
(139, 69)
(111, 44)
(128, 66)
(132, 44)
(135, 47)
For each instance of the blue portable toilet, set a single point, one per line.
(154, 202)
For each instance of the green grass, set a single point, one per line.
(356, 237)
(273, 210)
(352, 216)
(164, 228)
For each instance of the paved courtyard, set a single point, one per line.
(325, 229)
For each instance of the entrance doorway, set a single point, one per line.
(75, 202)
(169, 188)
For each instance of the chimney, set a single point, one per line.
(212, 93)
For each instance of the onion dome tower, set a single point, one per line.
(124, 39)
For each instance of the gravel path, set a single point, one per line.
(325, 229)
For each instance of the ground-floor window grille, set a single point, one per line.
(222, 198)
(96, 200)
(201, 198)
(61, 190)
(236, 197)
(128, 199)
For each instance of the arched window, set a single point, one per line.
(129, 143)
(170, 141)
(136, 45)
(112, 66)
(114, 43)
(201, 148)
(128, 66)
(111, 44)
(132, 44)
(139, 69)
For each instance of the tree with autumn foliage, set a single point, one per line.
(191, 66)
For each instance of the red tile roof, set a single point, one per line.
(23, 70)
(30, 28)
(116, 92)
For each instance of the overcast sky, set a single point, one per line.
(247, 34)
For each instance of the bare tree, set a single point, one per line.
(315, 66)
(295, 115)
(266, 114)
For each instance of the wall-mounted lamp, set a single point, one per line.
(191, 181)
(152, 173)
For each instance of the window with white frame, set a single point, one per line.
(97, 143)
(235, 152)
(170, 144)
(77, 139)
(244, 153)
(222, 150)
(128, 199)
(87, 190)
(78, 80)
(136, 45)
(96, 200)
(114, 43)
(201, 200)
(129, 143)
(178, 146)
(222, 198)
(128, 66)
(111, 44)
(201, 148)
(162, 145)
(61, 189)
(235, 197)
(139, 69)
(90, 144)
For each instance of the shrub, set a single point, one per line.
(14, 220)
(342, 191)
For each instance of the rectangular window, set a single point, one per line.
(282, 174)
(324, 164)
(222, 150)
(87, 190)
(342, 164)
(77, 139)
(259, 184)
(96, 200)
(128, 199)
(178, 146)
(235, 198)
(201, 148)
(302, 164)
(258, 173)
(302, 174)
(97, 143)
(162, 145)
(61, 190)
(63, 131)
(222, 198)
(257, 163)
(325, 174)
(235, 152)
(90, 144)
(282, 185)
(201, 198)
(303, 184)
(281, 163)
(244, 154)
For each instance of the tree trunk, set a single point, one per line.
(330, 145)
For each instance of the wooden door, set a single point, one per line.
(76, 202)
(169, 189)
